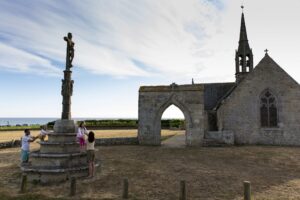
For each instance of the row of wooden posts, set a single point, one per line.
(125, 191)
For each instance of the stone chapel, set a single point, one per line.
(261, 107)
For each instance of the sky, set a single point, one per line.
(121, 45)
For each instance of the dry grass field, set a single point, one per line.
(16, 135)
(155, 172)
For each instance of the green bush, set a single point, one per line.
(133, 123)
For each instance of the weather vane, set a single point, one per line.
(242, 6)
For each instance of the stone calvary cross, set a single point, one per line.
(67, 82)
(59, 158)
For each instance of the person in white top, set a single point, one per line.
(43, 132)
(91, 153)
(82, 131)
(25, 146)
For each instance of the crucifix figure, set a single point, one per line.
(70, 51)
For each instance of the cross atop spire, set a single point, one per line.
(266, 51)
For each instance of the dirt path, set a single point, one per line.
(176, 141)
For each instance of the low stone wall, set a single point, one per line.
(117, 141)
(9, 144)
(225, 137)
(111, 127)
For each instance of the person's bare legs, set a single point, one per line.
(90, 169)
(93, 169)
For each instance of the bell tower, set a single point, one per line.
(243, 56)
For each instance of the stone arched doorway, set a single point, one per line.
(154, 100)
(173, 124)
(183, 110)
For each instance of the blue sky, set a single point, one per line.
(123, 44)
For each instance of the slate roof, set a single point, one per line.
(215, 92)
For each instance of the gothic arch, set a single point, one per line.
(154, 100)
(268, 108)
(173, 101)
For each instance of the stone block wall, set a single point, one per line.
(154, 100)
(224, 137)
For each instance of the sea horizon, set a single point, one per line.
(12, 121)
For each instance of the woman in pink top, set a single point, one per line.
(80, 135)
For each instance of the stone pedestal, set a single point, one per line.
(65, 126)
(59, 158)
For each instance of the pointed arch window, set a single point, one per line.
(241, 63)
(268, 110)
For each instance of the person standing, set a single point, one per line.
(82, 131)
(25, 146)
(90, 147)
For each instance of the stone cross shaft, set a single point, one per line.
(67, 82)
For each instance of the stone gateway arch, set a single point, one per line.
(154, 100)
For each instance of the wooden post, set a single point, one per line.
(247, 190)
(73, 186)
(23, 183)
(125, 189)
(182, 194)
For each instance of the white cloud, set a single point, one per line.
(173, 39)
(13, 59)
(166, 36)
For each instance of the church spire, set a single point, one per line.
(243, 56)
(243, 32)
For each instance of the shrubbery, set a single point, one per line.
(109, 124)
(132, 123)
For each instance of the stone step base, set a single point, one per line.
(59, 147)
(54, 175)
(55, 155)
(57, 160)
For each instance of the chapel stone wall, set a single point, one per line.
(240, 112)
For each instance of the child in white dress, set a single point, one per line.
(43, 133)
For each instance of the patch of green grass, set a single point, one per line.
(16, 128)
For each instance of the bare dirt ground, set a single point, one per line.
(155, 172)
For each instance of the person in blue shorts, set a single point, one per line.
(25, 146)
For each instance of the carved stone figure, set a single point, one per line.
(70, 51)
